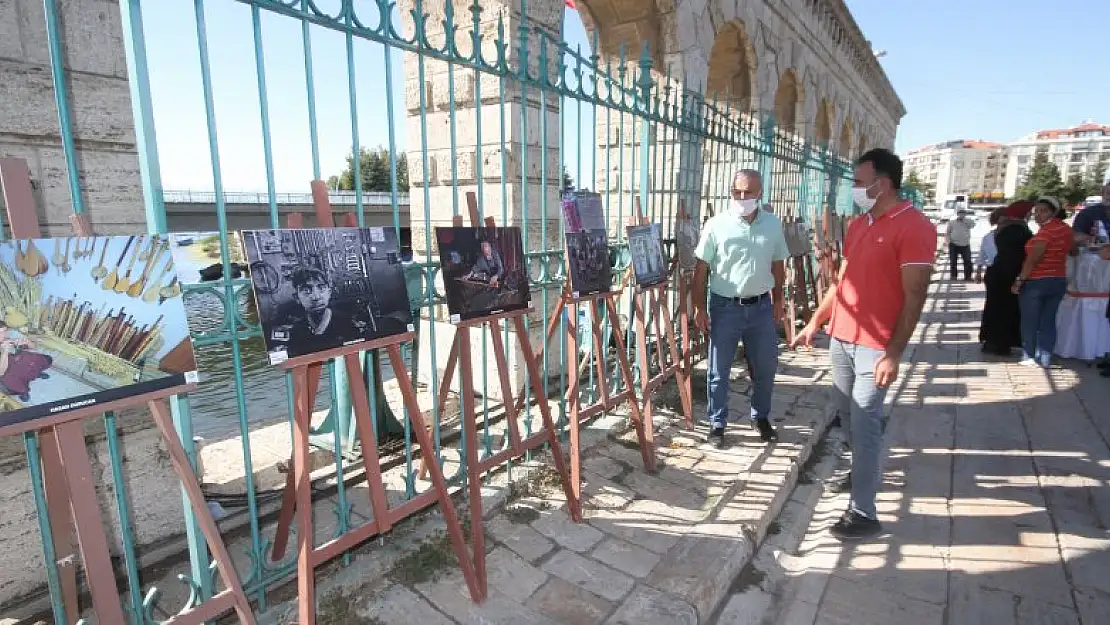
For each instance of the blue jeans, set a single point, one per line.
(730, 323)
(1039, 300)
(860, 405)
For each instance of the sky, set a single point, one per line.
(965, 69)
(991, 69)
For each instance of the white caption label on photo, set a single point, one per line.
(276, 358)
(192, 377)
(377, 235)
(412, 328)
(574, 294)
(455, 318)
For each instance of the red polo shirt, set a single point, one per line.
(869, 297)
(1058, 239)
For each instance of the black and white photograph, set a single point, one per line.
(86, 321)
(483, 271)
(322, 288)
(645, 243)
(797, 238)
(686, 242)
(588, 263)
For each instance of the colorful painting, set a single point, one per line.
(483, 271)
(319, 289)
(88, 320)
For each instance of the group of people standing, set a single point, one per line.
(872, 310)
(1026, 275)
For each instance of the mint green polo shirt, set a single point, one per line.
(740, 254)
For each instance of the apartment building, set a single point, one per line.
(977, 168)
(1074, 150)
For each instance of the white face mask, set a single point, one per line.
(745, 208)
(859, 196)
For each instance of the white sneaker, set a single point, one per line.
(1029, 362)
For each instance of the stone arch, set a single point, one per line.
(787, 100)
(732, 67)
(823, 123)
(844, 149)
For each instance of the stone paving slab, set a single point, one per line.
(993, 504)
(661, 548)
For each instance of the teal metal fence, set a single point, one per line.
(519, 100)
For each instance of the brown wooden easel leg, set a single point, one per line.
(302, 416)
(574, 403)
(599, 355)
(61, 524)
(474, 478)
(184, 471)
(682, 378)
(289, 495)
(502, 361)
(647, 408)
(91, 536)
(647, 449)
(552, 325)
(360, 408)
(532, 370)
(423, 438)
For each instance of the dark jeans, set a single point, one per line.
(964, 251)
(1039, 300)
(729, 323)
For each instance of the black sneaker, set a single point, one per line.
(1105, 364)
(766, 430)
(855, 526)
(717, 438)
(841, 485)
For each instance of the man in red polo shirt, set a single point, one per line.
(874, 308)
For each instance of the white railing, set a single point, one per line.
(338, 198)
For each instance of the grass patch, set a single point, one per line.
(541, 482)
(427, 563)
(338, 607)
(521, 514)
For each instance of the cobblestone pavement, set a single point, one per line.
(996, 503)
(654, 549)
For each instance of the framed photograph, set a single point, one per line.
(797, 238)
(588, 262)
(322, 288)
(583, 212)
(645, 243)
(86, 321)
(686, 242)
(483, 271)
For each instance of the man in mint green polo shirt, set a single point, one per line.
(741, 259)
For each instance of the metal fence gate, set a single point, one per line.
(515, 94)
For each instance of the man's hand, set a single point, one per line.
(701, 321)
(804, 338)
(886, 370)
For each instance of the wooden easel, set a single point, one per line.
(68, 472)
(657, 314)
(461, 355)
(306, 371)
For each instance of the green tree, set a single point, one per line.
(1043, 179)
(374, 172)
(568, 182)
(926, 189)
(1075, 190)
(1097, 176)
